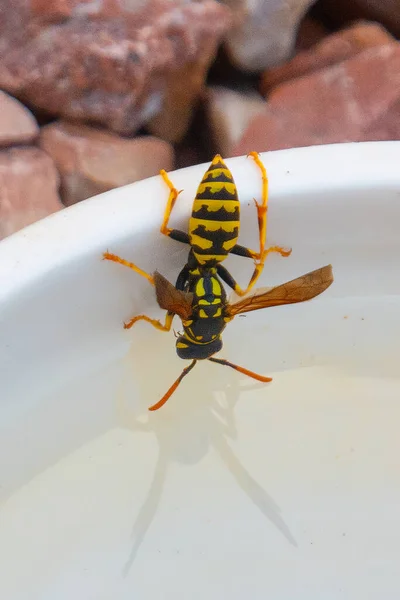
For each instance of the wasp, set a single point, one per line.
(198, 296)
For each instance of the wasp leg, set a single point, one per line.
(260, 256)
(173, 387)
(247, 253)
(263, 207)
(259, 266)
(175, 234)
(182, 278)
(262, 210)
(221, 361)
(229, 280)
(122, 261)
(155, 322)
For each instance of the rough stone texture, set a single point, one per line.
(264, 33)
(333, 49)
(17, 124)
(182, 88)
(386, 12)
(91, 161)
(352, 101)
(28, 188)
(387, 127)
(229, 114)
(107, 62)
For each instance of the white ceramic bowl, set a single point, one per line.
(234, 489)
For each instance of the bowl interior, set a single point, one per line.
(289, 488)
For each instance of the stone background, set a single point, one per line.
(96, 94)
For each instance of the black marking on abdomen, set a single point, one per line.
(222, 177)
(217, 237)
(207, 288)
(222, 194)
(216, 215)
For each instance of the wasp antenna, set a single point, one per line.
(221, 361)
(173, 387)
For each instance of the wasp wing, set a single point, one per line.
(298, 290)
(173, 300)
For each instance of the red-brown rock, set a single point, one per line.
(229, 114)
(352, 101)
(91, 161)
(386, 12)
(106, 62)
(332, 50)
(17, 123)
(264, 32)
(387, 127)
(54, 10)
(28, 190)
(182, 88)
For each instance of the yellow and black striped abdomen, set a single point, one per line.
(215, 220)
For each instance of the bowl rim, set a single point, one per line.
(50, 242)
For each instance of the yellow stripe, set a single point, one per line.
(203, 314)
(200, 291)
(216, 287)
(214, 205)
(228, 245)
(215, 301)
(196, 240)
(216, 186)
(181, 345)
(216, 169)
(194, 341)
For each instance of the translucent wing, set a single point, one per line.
(173, 300)
(298, 290)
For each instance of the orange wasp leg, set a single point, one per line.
(173, 194)
(173, 387)
(175, 234)
(125, 263)
(260, 256)
(157, 324)
(262, 210)
(221, 361)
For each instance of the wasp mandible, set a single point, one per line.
(198, 297)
